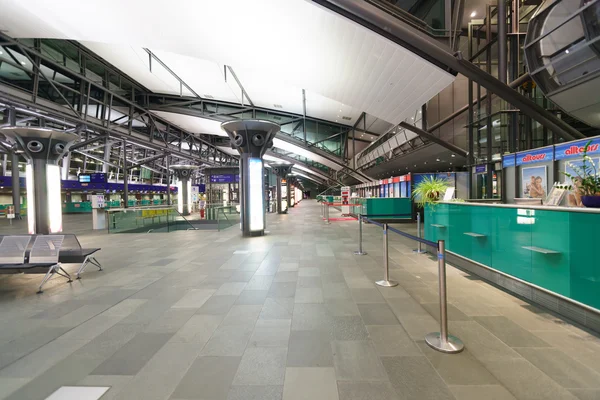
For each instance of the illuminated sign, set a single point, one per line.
(481, 169)
(255, 183)
(225, 178)
(575, 149)
(535, 156)
(508, 161)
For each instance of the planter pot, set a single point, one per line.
(591, 201)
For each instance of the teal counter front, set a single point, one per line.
(552, 248)
(383, 208)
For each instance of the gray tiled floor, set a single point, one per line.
(291, 315)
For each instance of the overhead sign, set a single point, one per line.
(225, 178)
(535, 156)
(481, 169)
(508, 161)
(575, 149)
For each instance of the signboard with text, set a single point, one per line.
(535, 156)
(225, 178)
(575, 149)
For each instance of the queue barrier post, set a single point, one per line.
(441, 341)
(419, 249)
(386, 282)
(360, 251)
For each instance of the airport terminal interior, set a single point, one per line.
(300, 200)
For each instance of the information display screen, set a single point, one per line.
(225, 178)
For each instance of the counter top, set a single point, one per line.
(528, 207)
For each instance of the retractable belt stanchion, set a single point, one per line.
(327, 212)
(419, 250)
(386, 267)
(441, 341)
(360, 251)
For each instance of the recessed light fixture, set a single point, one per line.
(473, 14)
(567, 51)
(453, 155)
(23, 62)
(437, 159)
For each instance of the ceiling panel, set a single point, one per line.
(292, 41)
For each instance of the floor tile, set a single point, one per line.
(208, 378)
(252, 297)
(475, 392)
(458, 369)
(310, 383)
(526, 381)
(231, 289)
(309, 295)
(271, 333)
(370, 295)
(357, 361)
(279, 308)
(377, 314)
(262, 366)
(392, 341)
(242, 315)
(217, 305)
(130, 358)
(228, 341)
(286, 276)
(510, 333)
(195, 298)
(282, 290)
(366, 391)
(255, 392)
(78, 393)
(561, 368)
(414, 378)
(309, 349)
(198, 329)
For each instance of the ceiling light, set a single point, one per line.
(567, 51)
(473, 14)
(0, 52)
(437, 159)
(23, 62)
(453, 155)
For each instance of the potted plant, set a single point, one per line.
(586, 180)
(429, 191)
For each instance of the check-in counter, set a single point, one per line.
(551, 248)
(389, 208)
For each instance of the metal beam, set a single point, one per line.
(434, 139)
(86, 142)
(244, 93)
(391, 27)
(170, 71)
(147, 160)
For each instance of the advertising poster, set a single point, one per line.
(534, 182)
(571, 168)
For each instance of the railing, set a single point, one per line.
(227, 217)
(146, 219)
(440, 341)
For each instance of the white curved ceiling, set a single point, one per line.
(293, 43)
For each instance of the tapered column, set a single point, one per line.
(184, 187)
(43, 149)
(251, 138)
(282, 171)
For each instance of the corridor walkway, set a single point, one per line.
(291, 315)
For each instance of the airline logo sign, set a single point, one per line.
(535, 156)
(569, 150)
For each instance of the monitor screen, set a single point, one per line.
(84, 178)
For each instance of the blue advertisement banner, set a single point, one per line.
(509, 161)
(535, 156)
(575, 149)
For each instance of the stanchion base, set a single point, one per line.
(385, 283)
(360, 253)
(451, 346)
(419, 251)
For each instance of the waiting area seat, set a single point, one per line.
(43, 256)
(69, 251)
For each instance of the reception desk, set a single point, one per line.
(552, 248)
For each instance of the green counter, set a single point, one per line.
(550, 247)
(383, 208)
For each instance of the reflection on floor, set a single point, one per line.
(292, 315)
